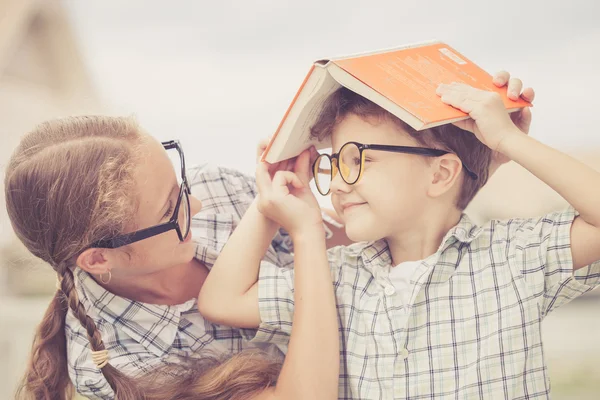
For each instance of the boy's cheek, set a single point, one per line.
(339, 238)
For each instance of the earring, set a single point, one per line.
(108, 280)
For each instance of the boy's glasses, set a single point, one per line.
(349, 162)
(180, 221)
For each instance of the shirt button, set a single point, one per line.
(404, 353)
(389, 290)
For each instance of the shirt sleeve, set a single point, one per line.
(276, 297)
(275, 303)
(225, 191)
(539, 250)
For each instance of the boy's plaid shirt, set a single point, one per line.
(139, 336)
(474, 324)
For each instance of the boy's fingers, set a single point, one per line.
(515, 86)
(314, 154)
(302, 167)
(263, 177)
(525, 120)
(285, 178)
(454, 88)
(522, 119)
(501, 78)
(262, 146)
(289, 166)
(442, 88)
(528, 94)
(451, 94)
(458, 100)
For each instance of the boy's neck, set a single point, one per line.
(424, 237)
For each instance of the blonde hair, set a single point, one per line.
(69, 183)
(464, 144)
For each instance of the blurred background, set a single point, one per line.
(220, 75)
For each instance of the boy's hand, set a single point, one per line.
(285, 197)
(285, 165)
(490, 120)
(521, 118)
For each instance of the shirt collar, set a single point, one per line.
(376, 254)
(465, 231)
(210, 232)
(153, 326)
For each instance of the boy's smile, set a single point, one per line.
(392, 189)
(350, 206)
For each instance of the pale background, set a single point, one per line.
(219, 76)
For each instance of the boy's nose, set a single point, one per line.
(338, 185)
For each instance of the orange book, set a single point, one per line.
(402, 80)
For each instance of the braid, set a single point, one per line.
(68, 288)
(69, 183)
(122, 385)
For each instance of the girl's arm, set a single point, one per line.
(229, 295)
(311, 367)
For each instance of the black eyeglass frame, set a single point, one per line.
(422, 151)
(172, 224)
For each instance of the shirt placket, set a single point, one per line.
(402, 362)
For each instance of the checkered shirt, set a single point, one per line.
(475, 312)
(140, 336)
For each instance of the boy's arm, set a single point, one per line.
(311, 366)
(573, 180)
(229, 295)
(576, 182)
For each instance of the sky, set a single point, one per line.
(220, 75)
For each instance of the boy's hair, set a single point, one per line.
(464, 144)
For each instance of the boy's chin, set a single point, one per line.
(358, 234)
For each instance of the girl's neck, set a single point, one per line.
(171, 286)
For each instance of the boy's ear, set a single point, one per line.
(94, 261)
(446, 170)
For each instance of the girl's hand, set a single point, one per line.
(285, 196)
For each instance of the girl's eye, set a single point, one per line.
(367, 160)
(356, 161)
(169, 211)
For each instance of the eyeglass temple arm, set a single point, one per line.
(171, 144)
(418, 150)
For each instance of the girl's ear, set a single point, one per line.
(94, 261)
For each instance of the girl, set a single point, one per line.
(100, 202)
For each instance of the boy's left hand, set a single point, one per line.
(521, 118)
(490, 120)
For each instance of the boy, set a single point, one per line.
(429, 304)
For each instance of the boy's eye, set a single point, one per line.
(367, 160)
(356, 161)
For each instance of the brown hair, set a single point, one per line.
(68, 184)
(464, 144)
